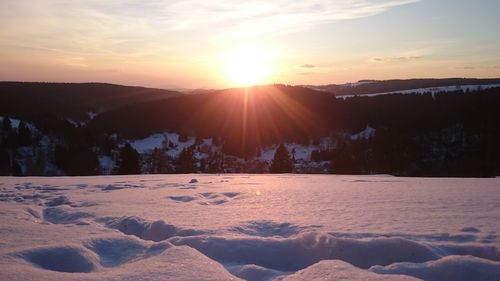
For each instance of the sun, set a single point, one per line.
(247, 66)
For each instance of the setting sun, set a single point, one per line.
(247, 66)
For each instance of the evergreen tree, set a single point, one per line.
(17, 171)
(24, 134)
(214, 162)
(158, 162)
(7, 124)
(282, 163)
(4, 163)
(185, 162)
(74, 161)
(129, 161)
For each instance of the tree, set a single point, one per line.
(17, 171)
(129, 161)
(73, 160)
(24, 134)
(185, 162)
(158, 162)
(282, 163)
(7, 124)
(5, 168)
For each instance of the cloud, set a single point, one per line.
(395, 59)
(308, 65)
(467, 67)
(213, 16)
(407, 58)
(277, 15)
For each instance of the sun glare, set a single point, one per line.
(247, 66)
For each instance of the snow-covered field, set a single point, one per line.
(251, 227)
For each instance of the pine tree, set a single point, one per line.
(7, 124)
(158, 161)
(282, 162)
(185, 162)
(129, 161)
(24, 134)
(5, 168)
(17, 171)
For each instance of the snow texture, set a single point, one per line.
(249, 227)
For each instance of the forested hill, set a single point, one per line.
(364, 87)
(415, 133)
(250, 117)
(71, 100)
(453, 133)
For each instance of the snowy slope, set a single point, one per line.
(160, 140)
(432, 90)
(232, 227)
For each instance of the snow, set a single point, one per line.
(149, 143)
(160, 141)
(359, 83)
(106, 164)
(456, 268)
(367, 133)
(250, 227)
(92, 115)
(15, 123)
(431, 90)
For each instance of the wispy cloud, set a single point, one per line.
(194, 15)
(133, 29)
(307, 65)
(264, 15)
(395, 59)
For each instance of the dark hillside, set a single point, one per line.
(71, 100)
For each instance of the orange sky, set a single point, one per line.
(223, 43)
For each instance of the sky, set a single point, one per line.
(224, 43)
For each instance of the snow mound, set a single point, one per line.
(153, 231)
(153, 261)
(339, 270)
(62, 259)
(117, 251)
(182, 198)
(470, 229)
(266, 228)
(252, 272)
(477, 250)
(33, 213)
(457, 268)
(428, 237)
(59, 200)
(207, 198)
(118, 186)
(307, 248)
(66, 215)
(213, 198)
